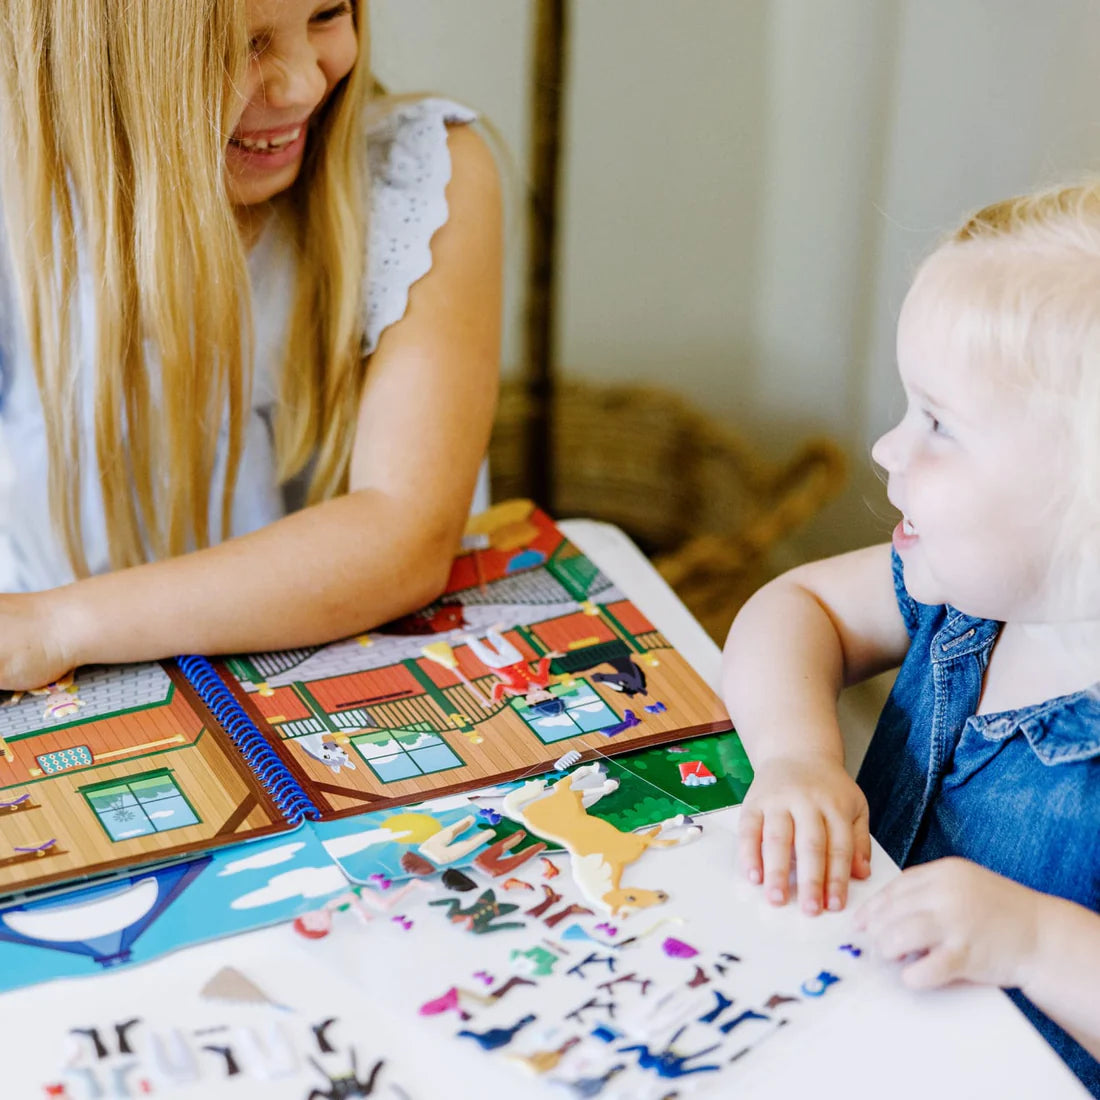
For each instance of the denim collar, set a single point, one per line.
(1062, 730)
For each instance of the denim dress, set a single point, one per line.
(1017, 792)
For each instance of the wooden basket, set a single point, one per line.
(698, 501)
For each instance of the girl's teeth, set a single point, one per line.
(907, 527)
(263, 144)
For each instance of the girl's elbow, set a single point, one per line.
(434, 577)
(432, 570)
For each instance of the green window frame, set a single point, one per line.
(406, 752)
(583, 711)
(140, 805)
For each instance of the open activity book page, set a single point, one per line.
(532, 658)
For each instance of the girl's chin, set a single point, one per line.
(252, 191)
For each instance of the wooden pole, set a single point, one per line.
(551, 30)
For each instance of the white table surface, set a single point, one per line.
(885, 1042)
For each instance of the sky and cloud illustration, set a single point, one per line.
(240, 888)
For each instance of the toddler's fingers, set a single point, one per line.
(875, 911)
(810, 849)
(778, 836)
(906, 935)
(861, 845)
(840, 864)
(749, 830)
(932, 969)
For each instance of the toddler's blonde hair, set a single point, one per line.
(116, 117)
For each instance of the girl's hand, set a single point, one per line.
(811, 804)
(33, 649)
(964, 922)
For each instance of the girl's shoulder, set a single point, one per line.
(410, 167)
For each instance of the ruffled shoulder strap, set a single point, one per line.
(410, 167)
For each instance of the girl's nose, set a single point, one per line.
(295, 80)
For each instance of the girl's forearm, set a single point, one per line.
(328, 571)
(783, 669)
(1064, 975)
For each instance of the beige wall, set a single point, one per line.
(749, 182)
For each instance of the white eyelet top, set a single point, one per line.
(410, 167)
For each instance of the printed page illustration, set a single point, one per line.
(131, 919)
(113, 769)
(533, 654)
(140, 916)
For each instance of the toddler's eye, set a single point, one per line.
(935, 425)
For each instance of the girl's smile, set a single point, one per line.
(300, 51)
(261, 151)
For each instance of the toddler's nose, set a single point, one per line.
(886, 450)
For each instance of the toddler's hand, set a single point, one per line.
(32, 644)
(965, 923)
(812, 805)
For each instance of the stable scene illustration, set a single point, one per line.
(113, 768)
(532, 660)
(532, 656)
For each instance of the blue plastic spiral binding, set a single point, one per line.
(272, 774)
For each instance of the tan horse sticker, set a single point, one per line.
(600, 851)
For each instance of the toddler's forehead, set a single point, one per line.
(940, 353)
(972, 313)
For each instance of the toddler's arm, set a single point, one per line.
(1065, 974)
(379, 551)
(793, 646)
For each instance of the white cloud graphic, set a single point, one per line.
(302, 882)
(269, 857)
(559, 719)
(356, 842)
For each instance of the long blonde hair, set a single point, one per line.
(116, 120)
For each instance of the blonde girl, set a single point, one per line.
(983, 776)
(249, 318)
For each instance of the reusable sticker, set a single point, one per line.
(481, 916)
(498, 1036)
(600, 851)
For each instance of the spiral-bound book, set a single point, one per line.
(532, 658)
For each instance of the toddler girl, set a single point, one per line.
(983, 776)
(247, 385)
